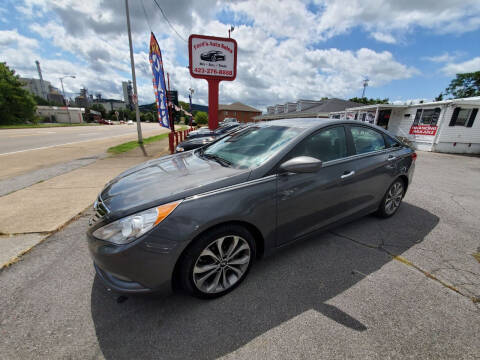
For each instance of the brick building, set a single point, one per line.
(243, 113)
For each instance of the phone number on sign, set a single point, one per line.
(212, 71)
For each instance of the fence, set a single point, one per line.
(175, 138)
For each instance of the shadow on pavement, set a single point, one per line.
(299, 278)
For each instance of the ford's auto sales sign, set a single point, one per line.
(212, 57)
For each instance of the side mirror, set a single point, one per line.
(302, 164)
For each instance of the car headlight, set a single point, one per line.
(180, 149)
(129, 228)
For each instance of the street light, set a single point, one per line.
(190, 95)
(63, 91)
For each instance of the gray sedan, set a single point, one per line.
(197, 220)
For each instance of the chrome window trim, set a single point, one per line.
(232, 187)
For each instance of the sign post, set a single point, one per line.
(213, 59)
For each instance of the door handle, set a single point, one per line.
(346, 175)
(391, 158)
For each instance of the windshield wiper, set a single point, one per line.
(220, 160)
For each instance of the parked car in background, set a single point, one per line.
(105, 122)
(227, 121)
(201, 221)
(130, 122)
(194, 143)
(190, 144)
(205, 132)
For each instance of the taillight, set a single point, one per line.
(414, 156)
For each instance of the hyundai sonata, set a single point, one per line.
(198, 219)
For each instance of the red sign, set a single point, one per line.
(423, 130)
(214, 59)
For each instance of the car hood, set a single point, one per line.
(166, 179)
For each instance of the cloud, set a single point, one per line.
(384, 37)
(11, 38)
(374, 16)
(471, 65)
(278, 58)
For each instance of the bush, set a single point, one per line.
(201, 118)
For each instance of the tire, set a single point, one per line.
(392, 199)
(205, 274)
(213, 58)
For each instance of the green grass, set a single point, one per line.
(118, 149)
(29, 126)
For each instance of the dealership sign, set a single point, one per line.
(423, 130)
(214, 59)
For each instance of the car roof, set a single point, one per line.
(304, 123)
(313, 123)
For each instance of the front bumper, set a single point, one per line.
(133, 268)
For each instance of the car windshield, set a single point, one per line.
(250, 147)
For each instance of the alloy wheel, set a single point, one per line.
(393, 198)
(221, 264)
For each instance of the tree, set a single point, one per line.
(184, 105)
(16, 103)
(367, 101)
(147, 117)
(201, 118)
(100, 108)
(464, 85)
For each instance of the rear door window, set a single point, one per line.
(326, 145)
(366, 140)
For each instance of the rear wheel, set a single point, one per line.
(392, 199)
(217, 262)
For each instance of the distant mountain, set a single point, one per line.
(153, 107)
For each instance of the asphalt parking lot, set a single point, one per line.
(404, 287)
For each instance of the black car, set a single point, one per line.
(205, 132)
(213, 55)
(198, 219)
(195, 143)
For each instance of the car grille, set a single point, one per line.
(100, 211)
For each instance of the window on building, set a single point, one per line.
(463, 117)
(226, 112)
(366, 140)
(427, 116)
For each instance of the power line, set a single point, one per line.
(146, 16)
(168, 21)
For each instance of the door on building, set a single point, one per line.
(383, 118)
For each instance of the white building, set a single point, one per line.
(60, 114)
(451, 126)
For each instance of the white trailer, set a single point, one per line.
(451, 126)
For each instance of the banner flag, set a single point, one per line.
(159, 81)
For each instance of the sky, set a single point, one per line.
(287, 50)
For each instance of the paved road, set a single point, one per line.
(337, 295)
(19, 140)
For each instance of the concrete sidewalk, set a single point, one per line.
(32, 214)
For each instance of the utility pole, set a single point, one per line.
(137, 113)
(64, 98)
(365, 84)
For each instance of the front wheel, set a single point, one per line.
(392, 199)
(217, 262)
